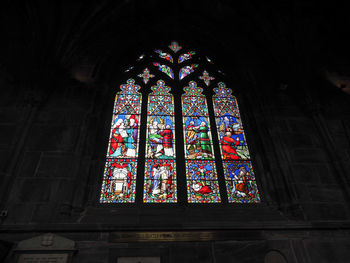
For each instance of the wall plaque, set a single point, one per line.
(46, 248)
(184, 236)
(43, 258)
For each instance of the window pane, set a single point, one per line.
(119, 180)
(160, 171)
(201, 177)
(239, 175)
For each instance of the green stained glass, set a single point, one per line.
(240, 181)
(119, 179)
(202, 183)
(160, 173)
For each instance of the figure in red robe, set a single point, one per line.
(167, 139)
(227, 144)
(117, 142)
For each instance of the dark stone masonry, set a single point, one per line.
(61, 64)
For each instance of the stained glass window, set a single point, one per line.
(146, 75)
(174, 46)
(160, 173)
(201, 176)
(119, 179)
(185, 71)
(165, 69)
(206, 78)
(186, 56)
(164, 55)
(239, 175)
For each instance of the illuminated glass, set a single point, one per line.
(174, 46)
(185, 71)
(206, 78)
(146, 75)
(160, 175)
(201, 176)
(239, 175)
(165, 69)
(119, 180)
(160, 171)
(186, 56)
(164, 55)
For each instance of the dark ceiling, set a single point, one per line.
(92, 40)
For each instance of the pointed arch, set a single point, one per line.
(201, 175)
(198, 166)
(160, 168)
(238, 170)
(119, 179)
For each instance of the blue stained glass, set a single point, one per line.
(119, 179)
(165, 69)
(164, 55)
(160, 174)
(240, 181)
(185, 71)
(186, 56)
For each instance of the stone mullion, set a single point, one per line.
(179, 148)
(141, 160)
(216, 146)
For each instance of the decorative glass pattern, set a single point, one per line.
(206, 78)
(165, 69)
(174, 46)
(201, 177)
(202, 182)
(239, 175)
(186, 56)
(146, 75)
(160, 173)
(119, 179)
(185, 71)
(164, 55)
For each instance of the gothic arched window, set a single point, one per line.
(181, 116)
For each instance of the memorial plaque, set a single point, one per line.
(184, 236)
(43, 258)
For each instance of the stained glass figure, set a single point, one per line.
(240, 182)
(186, 56)
(146, 75)
(206, 78)
(202, 183)
(164, 55)
(160, 181)
(120, 169)
(160, 174)
(165, 69)
(239, 175)
(185, 71)
(174, 46)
